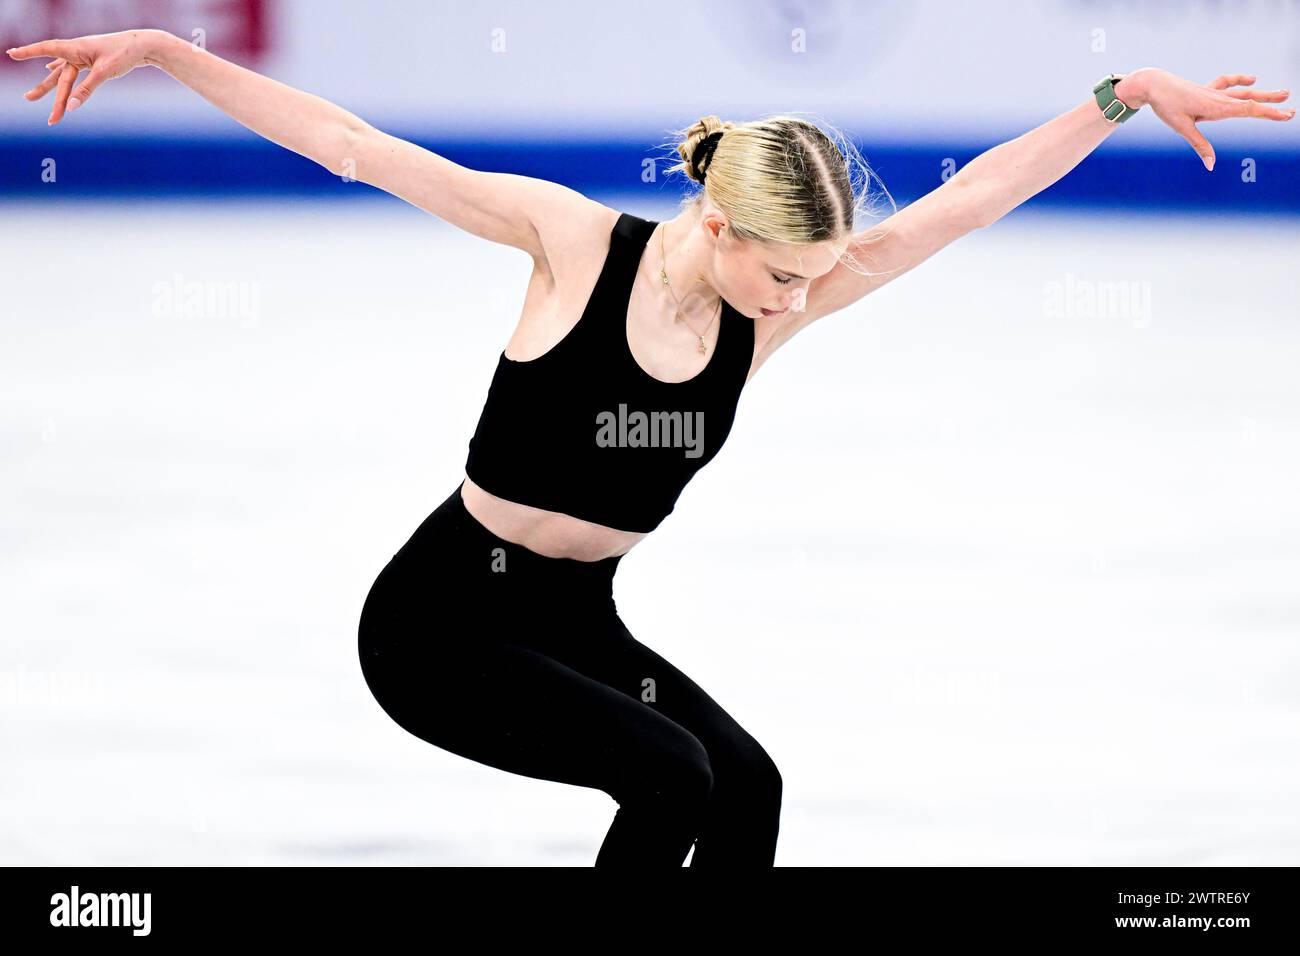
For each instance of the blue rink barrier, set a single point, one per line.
(1136, 179)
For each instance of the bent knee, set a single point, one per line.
(749, 768)
(680, 772)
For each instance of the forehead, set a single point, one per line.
(807, 259)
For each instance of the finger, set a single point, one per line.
(55, 64)
(1254, 109)
(67, 76)
(44, 48)
(1200, 144)
(97, 76)
(1231, 79)
(41, 88)
(1259, 96)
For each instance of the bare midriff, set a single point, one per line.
(548, 533)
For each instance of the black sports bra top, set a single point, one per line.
(584, 430)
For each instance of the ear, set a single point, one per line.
(715, 222)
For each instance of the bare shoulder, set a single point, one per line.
(573, 229)
(574, 234)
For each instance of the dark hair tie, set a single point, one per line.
(703, 152)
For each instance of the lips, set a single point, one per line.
(773, 311)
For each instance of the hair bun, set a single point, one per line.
(697, 149)
(702, 158)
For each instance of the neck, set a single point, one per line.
(684, 258)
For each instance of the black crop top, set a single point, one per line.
(584, 430)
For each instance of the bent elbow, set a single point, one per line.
(344, 158)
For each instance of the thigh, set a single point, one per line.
(610, 654)
(514, 707)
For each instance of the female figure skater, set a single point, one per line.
(493, 633)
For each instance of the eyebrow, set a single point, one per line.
(787, 272)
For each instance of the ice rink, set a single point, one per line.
(1000, 569)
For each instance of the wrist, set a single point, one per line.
(1133, 91)
(159, 47)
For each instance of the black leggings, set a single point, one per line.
(519, 661)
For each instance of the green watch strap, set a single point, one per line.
(1112, 107)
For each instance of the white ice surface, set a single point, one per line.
(991, 586)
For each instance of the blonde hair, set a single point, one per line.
(779, 178)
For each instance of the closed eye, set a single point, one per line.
(779, 279)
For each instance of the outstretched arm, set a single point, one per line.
(1000, 179)
(1025, 166)
(519, 211)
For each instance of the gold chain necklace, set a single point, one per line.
(663, 274)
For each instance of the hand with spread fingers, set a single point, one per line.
(1181, 103)
(107, 56)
